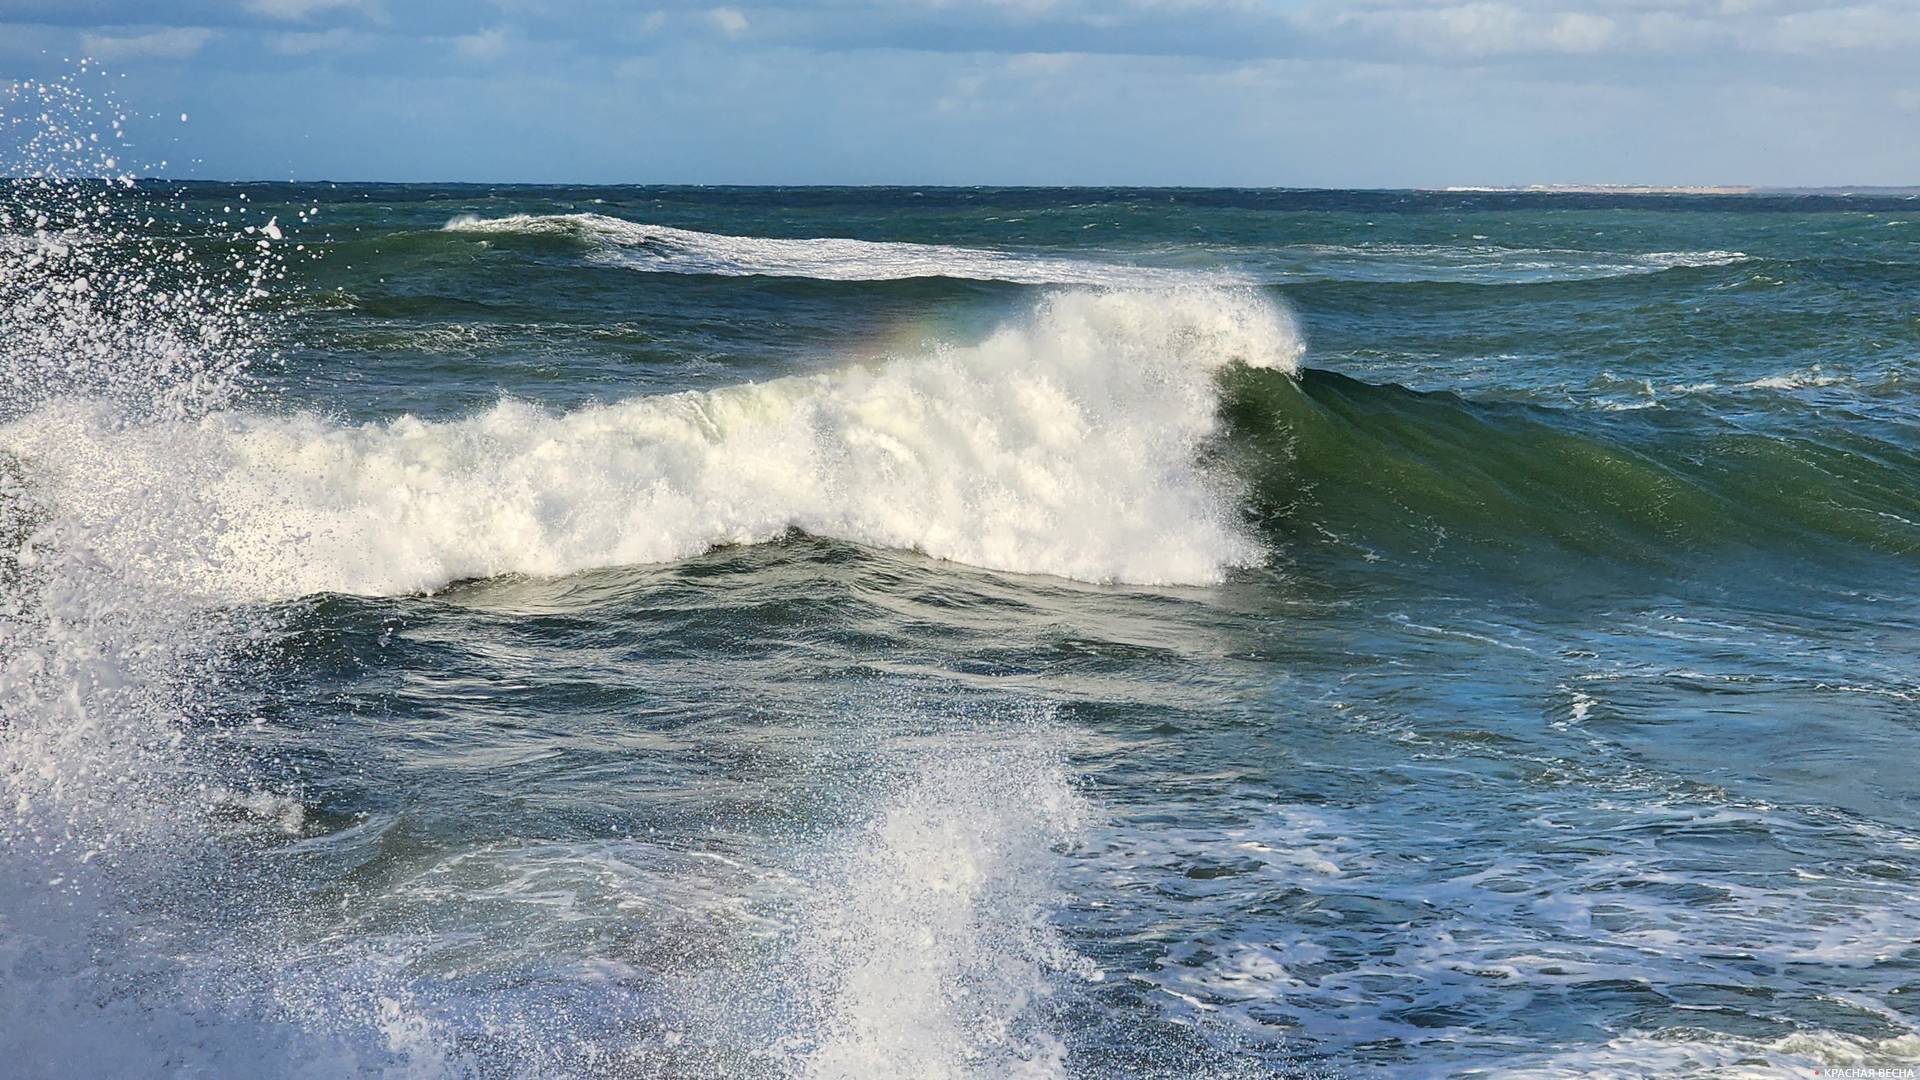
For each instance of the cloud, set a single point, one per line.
(1559, 87)
(1507, 32)
(964, 92)
(1482, 29)
(1577, 33)
(170, 43)
(292, 10)
(308, 42)
(1041, 65)
(1486, 29)
(1019, 7)
(1675, 31)
(483, 45)
(1867, 27)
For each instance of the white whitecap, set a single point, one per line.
(1067, 443)
(661, 249)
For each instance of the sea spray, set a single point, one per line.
(116, 674)
(105, 309)
(110, 287)
(112, 301)
(929, 949)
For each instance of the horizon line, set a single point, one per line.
(1448, 189)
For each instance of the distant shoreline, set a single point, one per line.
(1669, 189)
(1602, 189)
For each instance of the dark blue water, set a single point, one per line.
(862, 633)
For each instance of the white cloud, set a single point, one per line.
(172, 43)
(1488, 29)
(308, 42)
(1670, 31)
(964, 91)
(301, 9)
(730, 21)
(1577, 33)
(1041, 65)
(1026, 8)
(1867, 27)
(482, 45)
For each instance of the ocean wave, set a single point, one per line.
(635, 245)
(661, 249)
(1489, 264)
(1067, 442)
(1388, 469)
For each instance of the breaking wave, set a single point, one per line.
(660, 249)
(1068, 442)
(633, 245)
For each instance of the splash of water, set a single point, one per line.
(931, 952)
(116, 301)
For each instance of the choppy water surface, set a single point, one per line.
(865, 633)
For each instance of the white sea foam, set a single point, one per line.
(1484, 263)
(1065, 443)
(1803, 379)
(658, 248)
(1664, 259)
(1808, 1053)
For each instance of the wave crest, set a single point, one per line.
(1066, 443)
(633, 245)
(661, 249)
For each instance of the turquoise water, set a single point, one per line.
(885, 632)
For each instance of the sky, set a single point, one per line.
(1299, 93)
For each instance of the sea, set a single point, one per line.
(533, 631)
